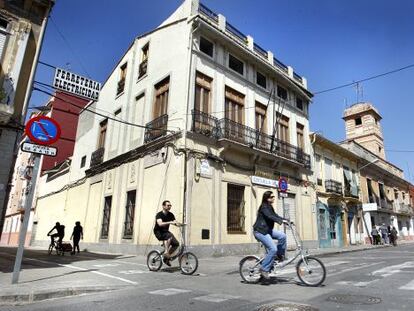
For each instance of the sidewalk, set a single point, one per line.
(45, 277)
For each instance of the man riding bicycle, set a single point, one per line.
(163, 220)
(264, 232)
(60, 233)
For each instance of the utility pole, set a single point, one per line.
(23, 230)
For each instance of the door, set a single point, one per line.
(288, 210)
(323, 225)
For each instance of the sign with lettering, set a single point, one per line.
(39, 149)
(205, 168)
(75, 84)
(265, 181)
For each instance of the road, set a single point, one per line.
(378, 279)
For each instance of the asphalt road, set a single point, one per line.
(379, 279)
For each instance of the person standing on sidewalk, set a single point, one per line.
(375, 235)
(264, 232)
(77, 234)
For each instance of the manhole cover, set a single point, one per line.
(355, 299)
(286, 307)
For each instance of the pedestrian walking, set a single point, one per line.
(393, 236)
(384, 234)
(375, 235)
(77, 234)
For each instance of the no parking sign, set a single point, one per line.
(43, 130)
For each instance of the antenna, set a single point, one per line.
(359, 92)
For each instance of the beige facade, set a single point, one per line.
(208, 145)
(336, 178)
(22, 25)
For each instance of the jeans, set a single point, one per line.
(272, 251)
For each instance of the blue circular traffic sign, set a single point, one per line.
(283, 184)
(43, 130)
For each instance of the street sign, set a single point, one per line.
(39, 149)
(283, 194)
(283, 184)
(42, 130)
(75, 84)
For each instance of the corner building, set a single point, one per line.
(211, 99)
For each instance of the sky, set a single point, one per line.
(331, 43)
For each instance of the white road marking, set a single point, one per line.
(169, 291)
(133, 272)
(293, 269)
(131, 263)
(355, 268)
(216, 298)
(106, 265)
(408, 286)
(387, 271)
(84, 269)
(357, 284)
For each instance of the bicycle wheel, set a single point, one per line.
(59, 251)
(311, 271)
(250, 269)
(188, 263)
(154, 260)
(49, 251)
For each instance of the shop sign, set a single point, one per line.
(265, 182)
(76, 84)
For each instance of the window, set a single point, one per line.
(102, 133)
(236, 64)
(299, 104)
(235, 209)
(122, 77)
(161, 98)
(260, 117)
(283, 127)
(234, 105)
(202, 93)
(299, 136)
(381, 191)
(83, 161)
(379, 149)
(3, 23)
(144, 61)
(129, 215)
(282, 92)
(371, 196)
(261, 79)
(328, 169)
(206, 46)
(318, 169)
(358, 121)
(106, 217)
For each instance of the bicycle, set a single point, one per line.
(310, 270)
(188, 262)
(55, 245)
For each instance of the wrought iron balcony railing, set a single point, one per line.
(227, 129)
(351, 191)
(333, 186)
(97, 156)
(156, 128)
(386, 204)
(405, 208)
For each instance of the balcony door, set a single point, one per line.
(161, 98)
(234, 114)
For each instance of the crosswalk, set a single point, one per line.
(379, 275)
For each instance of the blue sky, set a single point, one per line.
(329, 42)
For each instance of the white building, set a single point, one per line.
(202, 89)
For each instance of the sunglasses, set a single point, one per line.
(169, 205)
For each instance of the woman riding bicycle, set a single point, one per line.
(264, 232)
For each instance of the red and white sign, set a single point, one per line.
(43, 130)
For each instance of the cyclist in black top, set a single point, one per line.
(163, 220)
(60, 233)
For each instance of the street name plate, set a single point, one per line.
(39, 149)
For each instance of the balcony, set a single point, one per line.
(333, 186)
(121, 86)
(143, 68)
(242, 38)
(386, 204)
(351, 191)
(227, 129)
(97, 157)
(405, 208)
(156, 128)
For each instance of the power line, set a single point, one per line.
(363, 80)
(70, 47)
(100, 114)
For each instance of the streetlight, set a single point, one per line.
(372, 162)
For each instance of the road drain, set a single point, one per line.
(354, 299)
(286, 307)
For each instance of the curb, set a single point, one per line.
(40, 295)
(341, 251)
